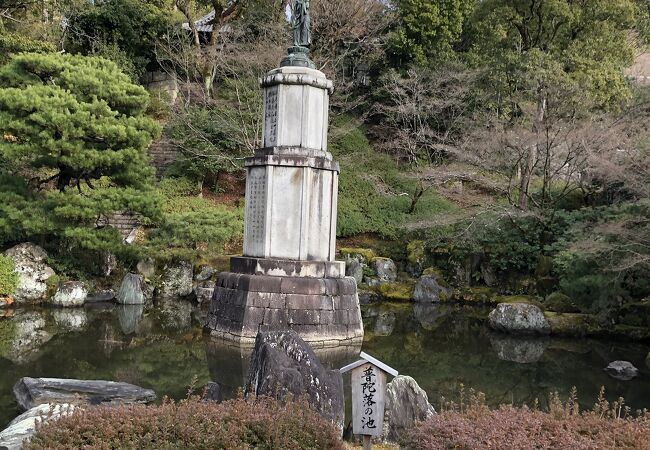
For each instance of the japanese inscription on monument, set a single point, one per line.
(255, 212)
(271, 117)
(368, 400)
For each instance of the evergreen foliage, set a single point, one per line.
(124, 31)
(428, 29)
(73, 149)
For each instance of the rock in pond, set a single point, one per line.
(70, 293)
(176, 280)
(101, 296)
(283, 366)
(131, 290)
(406, 404)
(622, 370)
(23, 427)
(33, 273)
(518, 349)
(213, 392)
(430, 289)
(205, 273)
(354, 269)
(385, 269)
(519, 318)
(30, 392)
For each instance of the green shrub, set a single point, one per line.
(374, 194)
(191, 424)
(561, 303)
(8, 278)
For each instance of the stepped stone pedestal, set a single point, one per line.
(288, 278)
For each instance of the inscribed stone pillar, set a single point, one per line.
(288, 276)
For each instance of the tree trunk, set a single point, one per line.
(527, 164)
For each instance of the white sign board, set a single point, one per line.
(368, 400)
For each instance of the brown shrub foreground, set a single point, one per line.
(563, 427)
(191, 424)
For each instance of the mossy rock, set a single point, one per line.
(558, 302)
(474, 295)
(398, 291)
(526, 299)
(52, 284)
(439, 274)
(415, 253)
(573, 325)
(364, 255)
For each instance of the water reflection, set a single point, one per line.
(442, 346)
(228, 362)
(518, 349)
(129, 317)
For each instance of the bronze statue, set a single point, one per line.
(301, 23)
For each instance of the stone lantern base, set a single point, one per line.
(314, 298)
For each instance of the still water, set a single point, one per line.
(440, 346)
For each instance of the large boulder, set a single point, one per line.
(30, 392)
(176, 280)
(385, 269)
(283, 366)
(131, 290)
(406, 404)
(23, 427)
(519, 318)
(430, 288)
(33, 272)
(70, 293)
(622, 370)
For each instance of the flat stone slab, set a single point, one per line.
(30, 392)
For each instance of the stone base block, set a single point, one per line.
(323, 311)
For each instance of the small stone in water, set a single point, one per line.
(622, 370)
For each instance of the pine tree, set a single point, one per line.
(73, 140)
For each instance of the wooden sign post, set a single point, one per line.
(368, 396)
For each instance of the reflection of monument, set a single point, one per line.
(288, 277)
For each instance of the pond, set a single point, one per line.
(440, 346)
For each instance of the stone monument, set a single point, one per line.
(288, 277)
